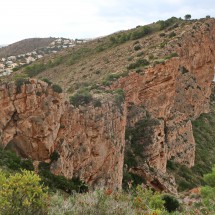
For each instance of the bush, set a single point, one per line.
(170, 203)
(54, 156)
(119, 98)
(81, 98)
(40, 67)
(167, 23)
(12, 161)
(138, 63)
(171, 56)
(56, 88)
(187, 17)
(47, 81)
(137, 47)
(35, 69)
(98, 202)
(162, 34)
(97, 103)
(60, 182)
(22, 194)
(172, 34)
(148, 200)
(141, 32)
(19, 82)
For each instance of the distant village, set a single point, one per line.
(11, 63)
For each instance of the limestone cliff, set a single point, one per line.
(173, 92)
(160, 103)
(36, 121)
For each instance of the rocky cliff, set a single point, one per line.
(173, 93)
(36, 121)
(152, 126)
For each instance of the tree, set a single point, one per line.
(187, 17)
(22, 194)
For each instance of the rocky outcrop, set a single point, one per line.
(36, 121)
(174, 92)
(91, 144)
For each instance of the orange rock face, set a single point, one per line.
(35, 121)
(175, 92)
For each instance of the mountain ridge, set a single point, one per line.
(24, 46)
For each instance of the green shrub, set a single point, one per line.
(120, 38)
(138, 63)
(172, 34)
(170, 203)
(35, 69)
(20, 82)
(141, 32)
(130, 58)
(60, 182)
(162, 34)
(47, 81)
(54, 156)
(162, 44)
(146, 197)
(137, 47)
(12, 161)
(171, 56)
(187, 17)
(81, 98)
(97, 103)
(111, 78)
(22, 193)
(139, 54)
(171, 165)
(56, 88)
(119, 98)
(167, 23)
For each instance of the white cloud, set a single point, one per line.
(88, 18)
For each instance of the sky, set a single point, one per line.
(21, 19)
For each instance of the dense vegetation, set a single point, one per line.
(23, 193)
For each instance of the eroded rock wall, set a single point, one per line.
(175, 91)
(36, 121)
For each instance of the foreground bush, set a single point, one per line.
(22, 194)
(107, 202)
(208, 191)
(170, 203)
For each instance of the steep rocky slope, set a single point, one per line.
(152, 126)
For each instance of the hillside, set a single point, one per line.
(133, 98)
(24, 46)
(92, 62)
